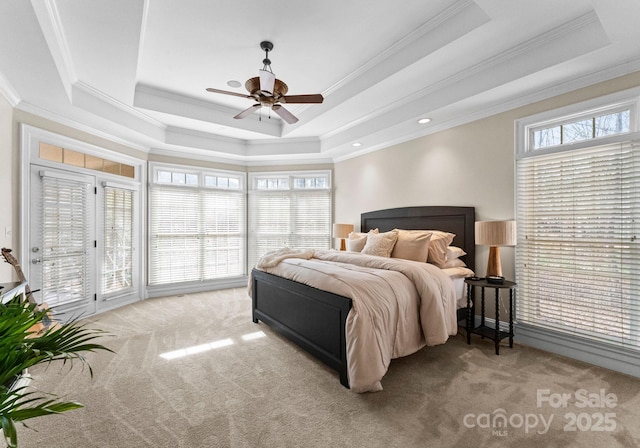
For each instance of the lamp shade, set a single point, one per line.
(496, 233)
(342, 230)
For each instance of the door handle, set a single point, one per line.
(36, 261)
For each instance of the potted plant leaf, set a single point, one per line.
(27, 338)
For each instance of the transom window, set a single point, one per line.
(589, 126)
(292, 181)
(54, 153)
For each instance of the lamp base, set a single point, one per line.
(343, 245)
(494, 267)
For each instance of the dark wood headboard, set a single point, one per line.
(457, 220)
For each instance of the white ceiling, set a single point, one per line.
(136, 71)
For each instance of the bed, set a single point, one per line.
(316, 319)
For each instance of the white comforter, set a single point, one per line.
(399, 306)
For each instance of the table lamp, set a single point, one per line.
(342, 231)
(495, 234)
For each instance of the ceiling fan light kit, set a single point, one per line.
(268, 91)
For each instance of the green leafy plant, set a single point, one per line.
(22, 347)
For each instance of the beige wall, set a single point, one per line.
(469, 165)
(8, 187)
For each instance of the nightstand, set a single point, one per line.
(495, 334)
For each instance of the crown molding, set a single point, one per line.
(510, 65)
(82, 127)
(52, 29)
(500, 106)
(8, 91)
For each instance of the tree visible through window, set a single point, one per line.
(583, 129)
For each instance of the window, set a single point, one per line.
(197, 226)
(118, 255)
(70, 157)
(578, 252)
(289, 209)
(595, 125)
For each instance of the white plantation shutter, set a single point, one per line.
(311, 219)
(196, 233)
(175, 246)
(291, 214)
(118, 243)
(222, 220)
(66, 240)
(578, 253)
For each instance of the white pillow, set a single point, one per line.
(380, 244)
(451, 258)
(412, 245)
(455, 263)
(454, 252)
(438, 245)
(357, 240)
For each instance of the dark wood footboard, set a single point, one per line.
(312, 318)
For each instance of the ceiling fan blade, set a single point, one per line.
(285, 114)
(267, 81)
(297, 99)
(248, 111)
(226, 92)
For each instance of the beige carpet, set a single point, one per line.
(265, 392)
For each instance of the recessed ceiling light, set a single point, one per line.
(234, 83)
(356, 144)
(424, 120)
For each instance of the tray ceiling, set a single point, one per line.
(136, 71)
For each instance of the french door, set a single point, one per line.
(62, 241)
(81, 249)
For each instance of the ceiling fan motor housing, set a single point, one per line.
(253, 87)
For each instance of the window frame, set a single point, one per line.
(525, 127)
(31, 137)
(157, 290)
(615, 357)
(291, 176)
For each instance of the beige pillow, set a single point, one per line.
(438, 245)
(412, 245)
(357, 240)
(380, 244)
(455, 263)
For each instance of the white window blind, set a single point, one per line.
(118, 243)
(65, 241)
(578, 253)
(196, 233)
(292, 211)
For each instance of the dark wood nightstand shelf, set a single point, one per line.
(495, 334)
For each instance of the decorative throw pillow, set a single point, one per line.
(357, 240)
(412, 245)
(438, 245)
(380, 244)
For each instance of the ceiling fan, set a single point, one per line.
(268, 91)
